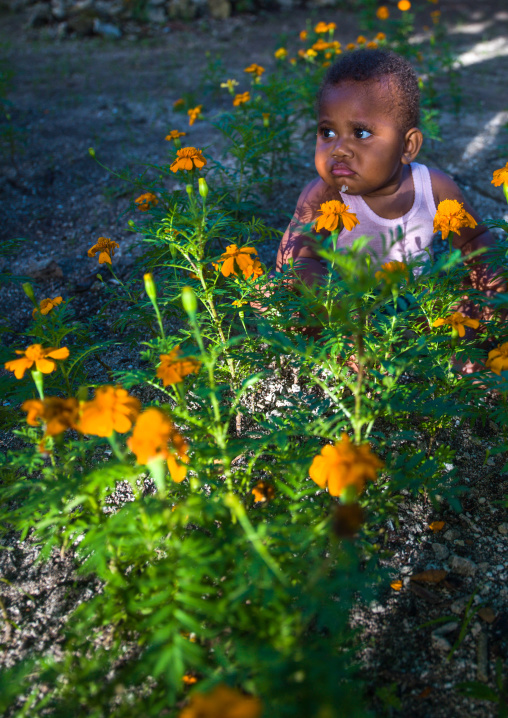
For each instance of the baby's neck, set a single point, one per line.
(395, 200)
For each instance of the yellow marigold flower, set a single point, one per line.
(222, 702)
(343, 465)
(389, 269)
(451, 217)
(241, 99)
(292, 60)
(380, 37)
(194, 114)
(255, 69)
(106, 248)
(57, 414)
(458, 321)
(174, 135)
(263, 491)
(172, 369)
(281, 53)
(335, 45)
(350, 46)
(361, 40)
(334, 213)
(229, 85)
(147, 200)
(46, 305)
(371, 45)
(187, 158)
(178, 103)
(238, 303)
(404, 5)
(36, 354)
(303, 35)
(154, 437)
(310, 54)
(500, 176)
(111, 409)
(498, 359)
(383, 13)
(235, 258)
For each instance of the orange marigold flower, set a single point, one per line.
(335, 45)
(187, 158)
(255, 69)
(350, 46)
(36, 354)
(235, 258)
(334, 213)
(189, 679)
(57, 414)
(147, 200)
(111, 409)
(174, 135)
(361, 40)
(396, 585)
(343, 465)
(451, 217)
(222, 702)
(435, 15)
(303, 35)
(241, 99)
(46, 305)
(500, 176)
(458, 321)
(320, 45)
(383, 13)
(323, 27)
(380, 37)
(155, 437)
(263, 491)
(389, 269)
(404, 5)
(106, 248)
(371, 45)
(498, 359)
(172, 370)
(281, 53)
(194, 113)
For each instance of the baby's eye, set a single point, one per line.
(361, 134)
(326, 132)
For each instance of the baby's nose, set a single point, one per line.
(341, 148)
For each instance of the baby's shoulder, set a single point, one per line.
(443, 186)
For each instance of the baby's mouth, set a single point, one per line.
(342, 170)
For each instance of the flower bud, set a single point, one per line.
(131, 223)
(91, 152)
(150, 286)
(189, 301)
(203, 187)
(28, 289)
(189, 189)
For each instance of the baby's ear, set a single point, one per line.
(413, 140)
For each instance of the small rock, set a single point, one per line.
(484, 566)
(106, 29)
(442, 552)
(40, 14)
(503, 529)
(446, 628)
(44, 270)
(462, 566)
(482, 500)
(439, 643)
(459, 605)
(450, 535)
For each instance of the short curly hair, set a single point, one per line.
(365, 65)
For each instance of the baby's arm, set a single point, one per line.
(300, 246)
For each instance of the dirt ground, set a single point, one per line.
(117, 97)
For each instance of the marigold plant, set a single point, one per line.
(106, 249)
(222, 702)
(111, 409)
(452, 217)
(500, 176)
(281, 53)
(194, 114)
(388, 270)
(175, 135)
(457, 321)
(344, 464)
(404, 5)
(55, 413)
(241, 99)
(263, 491)
(155, 437)
(382, 12)
(335, 214)
(172, 369)
(145, 201)
(38, 355)
(255, 69)
(188, 158)
(323, 27)
(237, 258)
(46, 305)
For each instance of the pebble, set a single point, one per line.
(482, 500)
(442, 552)
(439, 643)
(459, 605)
(462, 566)
(450, 535)
(503, 529)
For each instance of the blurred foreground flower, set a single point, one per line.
(155, 437)
(235, 258)
(323, 27)
(391, 270)
(106, 248)
(451, 217)
(382, 12)
(344, 465)
(361, 40)
(404, 5)
(255, 69)
(187, 158)
(194, 114)
(263, 491)
(55, 413)
(500, 176)
(334, 213)
(111, 409)
(457, 321)
(36, 354)
(222, 702)
(147, 200)
(281, 53)
(47, 305)
(241, 99)
(303, 35)
(347, 520)
(380, 37)
(172, 370)
(498, 359)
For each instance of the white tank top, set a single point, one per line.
(414, 229)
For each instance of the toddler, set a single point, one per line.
(367, 143)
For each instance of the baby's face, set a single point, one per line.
(359, 142)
